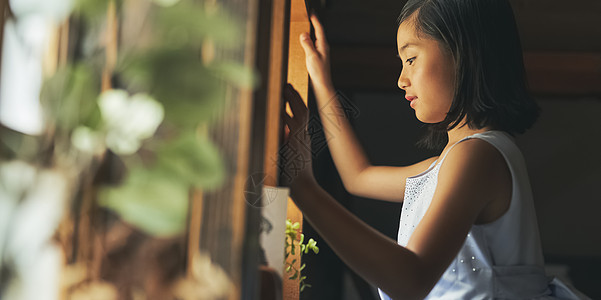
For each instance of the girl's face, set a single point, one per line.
(427, 76)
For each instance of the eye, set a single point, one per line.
(410, 60)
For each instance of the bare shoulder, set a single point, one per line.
(474, 159)
(471, 189)
(475, 168)
(475, 154)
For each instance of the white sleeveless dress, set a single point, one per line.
(499, 260)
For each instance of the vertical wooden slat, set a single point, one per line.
(297, 70)
(299, 78)
(57, 50)
(93, 234)
(239, 208)
(195, 221)
(63, 52)
(50, 61)
(225, 211)
(276, 77)
(277, 66)
(112, 27)
(3, 16)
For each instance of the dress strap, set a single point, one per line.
(440, 160)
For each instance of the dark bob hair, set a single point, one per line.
(490, 83)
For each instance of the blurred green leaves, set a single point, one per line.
(155, 199)
(236, 74)
(172, 69)
(69, 97)
(192, 159)
(151, 200)
(177, 78)
(199, 24)
(167, 66)
(92, 9)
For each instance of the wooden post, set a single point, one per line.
(299, 78)
(112, 29)
(3, 16)
(277, 66)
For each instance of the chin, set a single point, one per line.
(428, 119)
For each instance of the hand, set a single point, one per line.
(317, 55)
(295, 155)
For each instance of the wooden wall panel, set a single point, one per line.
(545, 25)
(564, 73)
(299, 78)
(550, 73)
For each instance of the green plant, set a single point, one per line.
(291, 236)
(124, 124)
(164, 94)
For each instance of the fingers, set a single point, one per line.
(321, 44)
(320, 35)
(287, 119)
(307, 44)
(299, 110)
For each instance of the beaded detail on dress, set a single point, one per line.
(498, 260)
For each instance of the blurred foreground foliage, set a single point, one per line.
(127, 113)
(165, 65)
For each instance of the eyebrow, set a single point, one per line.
(406, 46)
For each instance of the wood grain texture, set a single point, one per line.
(278, 64)
(299, 78)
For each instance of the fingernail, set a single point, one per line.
(304, 36)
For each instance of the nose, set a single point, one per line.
(403, 82)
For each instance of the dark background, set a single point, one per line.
(562, 45)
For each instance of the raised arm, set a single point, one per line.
(467, 179)
(358, 175)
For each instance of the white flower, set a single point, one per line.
(26, 39)
(32, 203)
(22, 54)
(15, 178)
(129, 120)
(41, 279)
(86, 140)
(36, 217)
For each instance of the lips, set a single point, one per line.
(412, 100)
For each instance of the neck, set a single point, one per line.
(459, 132)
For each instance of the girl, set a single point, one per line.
(467, 227)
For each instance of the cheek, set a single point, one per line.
(437, 90)
(447, 77)
(442, 84)
(433, 84)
